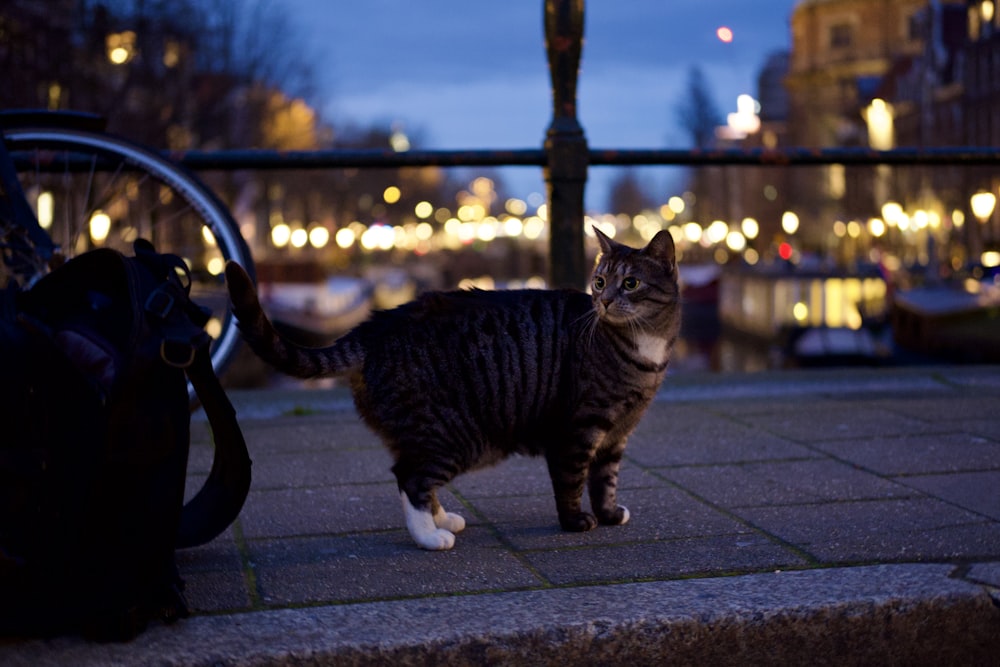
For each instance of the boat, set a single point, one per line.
(317, 313)
(949, 321)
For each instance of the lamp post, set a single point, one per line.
(982, 204)
(566, 145)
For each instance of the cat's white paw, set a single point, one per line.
(437, 540)
(625, 516)
(423, 530)
(449, 521)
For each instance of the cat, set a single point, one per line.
(459, 380)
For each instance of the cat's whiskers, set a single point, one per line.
(589, 328)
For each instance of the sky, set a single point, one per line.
(472, 74)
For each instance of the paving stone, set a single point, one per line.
(933, 409)
(684, 435)
(836, 421)
(321, 468)
(662, 513)
(522, 475)
(982, 427)
(977, 491)
(914, 454)
(985, 573)
(666, 559)
(382, 565)
(329, 510)
(315, 433)
(782, 483)
(981, 378)
(213, 576)
(914, 529)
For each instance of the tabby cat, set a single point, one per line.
(454, 381)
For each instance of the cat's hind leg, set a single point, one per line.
(568, 475)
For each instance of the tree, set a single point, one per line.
(698, 115)
(627, 195)
(167, 73)
(697, 112)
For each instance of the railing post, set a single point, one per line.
(565, 145)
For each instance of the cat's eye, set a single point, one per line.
(599, 283)
(630, 283)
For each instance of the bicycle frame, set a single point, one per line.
(31, 253)
(16, 214)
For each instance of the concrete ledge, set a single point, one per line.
(882, 614)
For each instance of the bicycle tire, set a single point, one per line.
(142, 194)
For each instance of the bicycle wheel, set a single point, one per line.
(94, 190)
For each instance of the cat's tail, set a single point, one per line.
(285, 355)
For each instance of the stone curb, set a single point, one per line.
(909, 614)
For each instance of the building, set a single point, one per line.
(843, 51)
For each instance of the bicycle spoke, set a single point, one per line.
(140, 193)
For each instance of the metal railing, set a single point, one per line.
(565, 155)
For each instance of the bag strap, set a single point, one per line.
(221, 497)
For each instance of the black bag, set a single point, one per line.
(94, 437)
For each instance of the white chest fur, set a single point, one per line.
(652, 348)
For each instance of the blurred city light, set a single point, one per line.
(879, 116)
(120, 47)
(45, 206)
(319, 236)
(424, 209)
(207, 235)
(789, 222)
(391, 194)
(982, 204)
(344, 237)
(280, 235)
(100, 226)
(299, 238)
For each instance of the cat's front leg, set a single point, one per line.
(450, 521)
(603, 483)
(423, 529)
(568, 471)
(430, 526)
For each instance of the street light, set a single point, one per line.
(879, 118)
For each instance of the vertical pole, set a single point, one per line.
(566, 146)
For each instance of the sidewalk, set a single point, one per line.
(835, 517)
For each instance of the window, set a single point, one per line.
(841, 36)
(915, 27)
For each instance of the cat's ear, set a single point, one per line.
(603, 239)
(662, 249)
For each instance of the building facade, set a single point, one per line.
(886, 74)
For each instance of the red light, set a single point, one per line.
(785, 251)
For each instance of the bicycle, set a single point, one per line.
(67, 186)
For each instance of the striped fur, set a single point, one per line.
(458, 380)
